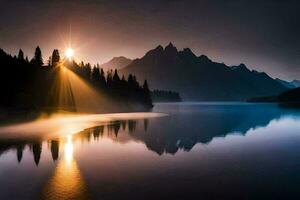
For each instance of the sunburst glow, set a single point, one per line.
(69, 53)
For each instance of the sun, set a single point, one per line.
(69, 53)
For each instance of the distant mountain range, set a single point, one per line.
(285, 83)
(116, 63)
(291, 85)
(296, 83)
(199, 78)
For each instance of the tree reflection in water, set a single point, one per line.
(166, 135)
(162, 136)
(67, 181)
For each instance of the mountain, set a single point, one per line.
(291, 85)
(198, 77)
(292, 95)
(296, 83)
(116, 63)
(288, 98)
(287, 84)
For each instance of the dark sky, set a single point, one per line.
(264, 34)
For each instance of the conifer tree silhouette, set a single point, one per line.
(55, 58)
(37, 59)
(21, 55)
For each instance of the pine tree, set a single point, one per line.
(95, 74)
(37, 59)
(50, 61)
(21, 55)
(109, 79)
(130, 80)
(87, 71)
(146, 94)
(102, 81)
(116, 77)
(55, 58)
(145, 86)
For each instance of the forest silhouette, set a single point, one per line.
(32, 85)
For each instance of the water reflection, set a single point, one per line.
(54, 149)
(67, 181)
(109, 130)
(162, 135)
(20, 149)
(231, 145)
(69, 149)
(37, 150)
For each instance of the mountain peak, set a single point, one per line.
(170, 48)
(170, 45)
(204, 58)
(154, 52)
(187, 50)
(159, 48)
(199, 78)
(187, 53)
(241, 67)
(116, 63)
(120, 57)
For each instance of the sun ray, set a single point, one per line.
(69, 53)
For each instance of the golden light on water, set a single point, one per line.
(69, 149)
(69, 53)
(66, 182)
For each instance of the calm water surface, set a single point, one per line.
(197, 151)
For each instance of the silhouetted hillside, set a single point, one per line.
(265, 99)
(116, 63)
(165, 96)
(287, 84)
(199, 78)
(290, 97)
(296, 83)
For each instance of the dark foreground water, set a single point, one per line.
(198, 151)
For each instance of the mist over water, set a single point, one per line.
(202, 149)
(59, 125)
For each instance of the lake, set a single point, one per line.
(180, 151)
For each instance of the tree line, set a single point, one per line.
(26, 83)
(165, 96)
(121, 88)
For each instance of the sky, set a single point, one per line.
(265, 35)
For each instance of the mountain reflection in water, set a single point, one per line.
(167, 135)
(202, 149)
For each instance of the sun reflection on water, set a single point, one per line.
(69, 149)
(67, 181)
